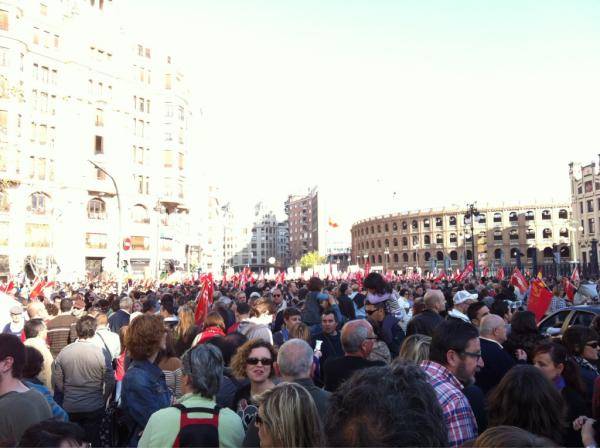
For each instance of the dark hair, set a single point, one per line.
(329, 311)
(315, 284)
(33, 327)
(228, 345)
(52, 433)
(558, 354)
(527, 399)
(386, 406)
(575, 338)
(167, 304)
(343, 288)
(86, 327)
(499, 308)
(11, 346)
(453, 334)
(34, 362)
(291, 311)
(375, 281)
(523, 322)
(51, 308)
(149, 305)
(243, 308)
(510, 436)
(473, 309)
(66, 305)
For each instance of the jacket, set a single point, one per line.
(118, 320)
(311, 313)
(424, 323)
(392, 334)
(496, 363)
(58, 413)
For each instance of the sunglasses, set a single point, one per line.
(276, 295)
(369, 312)
(593, 344)
(263, 361)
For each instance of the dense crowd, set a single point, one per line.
(300, 363)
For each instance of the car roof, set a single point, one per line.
(593, 308)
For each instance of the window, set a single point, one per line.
(98, 144)
(395, 225)
(439, 222)
(548, 253)
(95, 240)
(546, 214)
(563, 214)
(405, 258)
(39, 204)
(453, 238)
(529, 216)
(439, 256)
(139, 214)
(378, 228)
(96, 209)
(547, 233)
(148, 53)
(386, 243)
(415, 241)
(564, 233)
(396, 258)
(498, 254)
(404, 241)
(3, 20)
(139, 243)
(404, 225)
(37, 235)
(497, 235)
(426, 223)
(415, 224)
(590, 205)
(591, 225)
(140, 50)
(453, 255)
(530, 234)
(452, 220)
(513, 234)
(512, 216)
(439, 239)
(99, 117)
(427, 240)
(395, 242)
(386, 227)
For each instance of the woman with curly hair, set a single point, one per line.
(253, 361)
(145, 390)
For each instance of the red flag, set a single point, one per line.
(332, 223)
(485, 272)
(204, 299)
(519, 281)
(575, 275)
(539, 299)
(367, 268)
(261, 276)
(500, 273)
(224, 280)
(464, 274)
(441, 276)
(569, 288)
(38, 285)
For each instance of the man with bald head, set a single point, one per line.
(426, 321)
(497, 361)
(358, 340)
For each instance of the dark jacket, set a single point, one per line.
(347, 307)
(576, 406)
(478, 405)
(392, 334)
(331, 346)
(338, 370)
(524, 341)
(496, 362)
(320, 397)
(144, 392)
(311, 312)
(118, 320)
(424, 323)
(280, 337)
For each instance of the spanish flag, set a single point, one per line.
(332, 223)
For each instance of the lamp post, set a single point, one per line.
(386, 253)
(472, 212)
(120, 227)
(159, 209)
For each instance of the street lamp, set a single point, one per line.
(120, 228)
(159, 209)
(472, 212)
(386, 252)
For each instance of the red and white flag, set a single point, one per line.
(462, 276)
(518, 280)
(204, 299)
(485, 272)
(500, 273)
(575, 275)
(569, 288)
(441, 276)
(36, 290)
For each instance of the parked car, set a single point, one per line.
(557, 323)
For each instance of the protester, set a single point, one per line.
(527, 399)
(583, 345)
(54, 433)
(61, 329)
(253, 361)
(180, 425)
(415, 348)
(214, 325)
(427, 320)
(523, 335)
(476, 312)
(15, 327)
(291, 318)
(357, 343)
(311, 313)
(558, 301)
(378, 309)
(386, 407)
(186, 330)
(144, 389)
(331, 342)
(345, 303)
(35, 334)
(380, 351)
(83, 373)
(121, 317)
(454, 357)
(461, 301)
(171, 366)
(106, 339)
(20, 406)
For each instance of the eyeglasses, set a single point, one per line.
(263, 361)
(369, 312)
(276, 295)
(473, 355)
(592, 344)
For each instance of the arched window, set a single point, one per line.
(482, 238)
(453, 255)
(531, 251)
(426, 239)
(469, 255)
(439, 255)
(386, 227)
(415, 224)
(394, 226)
(415, 240)
(426, 223)
(529, 215)
(481, 218)
(96, 209)
(4, 204)
(546, 214)
(512, 216)
(497, 217)
(378, 228)
(372, 258)
(497, 235)
(405, 257)
(439, 222)
(404, 225)
(565, 252)
(427, 256)
(563, 214)
(404, 241)
(498, 254)
(395, 258)
(439, 239)
(366, 230)
(39, 203)
(372, 230)
(452, 220)
(547, 233)
(378, 243)
(513, 234)
(513, 252)
(140, 214)
(378, 258)
(453, 238)
(530, 233)
(387, 243)
(548, 252)
(564, 233)
(395, 242)
(468, 238)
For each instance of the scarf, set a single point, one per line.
(585, 364)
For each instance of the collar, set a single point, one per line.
(457, 314)
(304, 382)
(492, 340)
(436, 370)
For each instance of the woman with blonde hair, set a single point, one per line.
(415, 348)
(186, 329)
(287, 417)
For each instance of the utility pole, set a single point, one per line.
(472, 212)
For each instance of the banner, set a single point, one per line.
(464, 274)
(539, 299)
(518, 280)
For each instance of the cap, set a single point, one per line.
(464, 296)
(254, 294)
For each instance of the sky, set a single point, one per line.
(387, 105)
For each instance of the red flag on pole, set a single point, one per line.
(539, 299)
(204, 299)
(575, 275)
(569, 288)
(464, 274)
(367, 268)
(500, 273)
(519, 281)
(38, 285)
(441, 276)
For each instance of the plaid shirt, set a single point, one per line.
(458, 414)
(557, 303)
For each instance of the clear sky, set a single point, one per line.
(441, 102)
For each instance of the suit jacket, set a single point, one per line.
(496, 363)
(338, 370)
(424, 323)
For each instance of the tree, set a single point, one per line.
(311, 259)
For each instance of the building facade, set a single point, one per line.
(442, 239)
(303, 221)
(94, 137)
(585, 205)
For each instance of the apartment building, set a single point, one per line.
(585, 204)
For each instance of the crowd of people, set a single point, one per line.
(300, 363)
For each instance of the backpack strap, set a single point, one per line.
(184, 420)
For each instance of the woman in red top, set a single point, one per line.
(214, 325)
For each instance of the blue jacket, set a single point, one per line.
(57, 412)
(144, 392)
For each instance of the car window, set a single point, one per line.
(554, 321)
(582, 318)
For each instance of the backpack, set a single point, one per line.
(201, 432)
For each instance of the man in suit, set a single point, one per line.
(427, 321)
(358, 339)
(497, 361)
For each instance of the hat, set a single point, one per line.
(464, 296)
(254, 294)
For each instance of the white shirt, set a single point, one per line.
(111, 339)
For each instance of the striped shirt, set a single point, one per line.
(458, 414)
